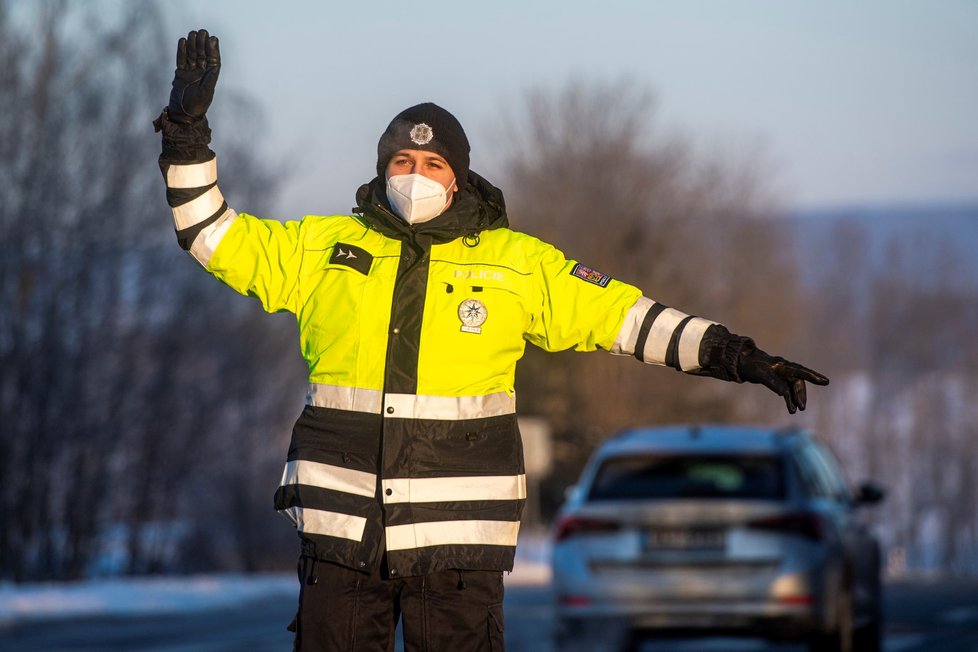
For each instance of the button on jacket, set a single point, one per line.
(408, 444)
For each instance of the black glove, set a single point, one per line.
(779, 375)
(736, 358)
(186, 134)
(198, 65)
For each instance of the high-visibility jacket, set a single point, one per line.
(408, 445)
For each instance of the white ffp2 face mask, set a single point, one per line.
(415, 198)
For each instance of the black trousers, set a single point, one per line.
(344, 610)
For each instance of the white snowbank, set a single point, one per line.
(135, 596)
(154, 595)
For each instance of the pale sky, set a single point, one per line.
(850, 102)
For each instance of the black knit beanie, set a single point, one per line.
(430, 128)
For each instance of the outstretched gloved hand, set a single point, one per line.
(198, 65)
(780, 376)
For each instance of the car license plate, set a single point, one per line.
(685, 539)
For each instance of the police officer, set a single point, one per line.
(405, 476)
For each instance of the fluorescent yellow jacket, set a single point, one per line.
(408, 445)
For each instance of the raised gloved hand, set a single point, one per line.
(198, 65)
(780, 376)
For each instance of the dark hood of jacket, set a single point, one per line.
(478, 206)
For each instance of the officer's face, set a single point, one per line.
(428, 164)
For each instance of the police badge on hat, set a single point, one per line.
(421, 134)
(473, 314)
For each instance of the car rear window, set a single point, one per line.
(684, 476)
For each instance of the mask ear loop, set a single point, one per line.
(449, 196)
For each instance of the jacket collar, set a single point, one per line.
(478, 206)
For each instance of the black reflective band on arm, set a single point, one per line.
(672, 351)
(643, 332)
(187, 236)
(180, 196)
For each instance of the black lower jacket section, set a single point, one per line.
(325, 500)
(425, 448)
(396, 449)
(339, 437)
(420, 561)
(482, 510)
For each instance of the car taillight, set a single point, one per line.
(575, 600)
(574, 525)
(797, 600)
(805, 524)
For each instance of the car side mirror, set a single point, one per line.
(869, 493)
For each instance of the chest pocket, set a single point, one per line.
(332, 285)
(484, 447)
(483, 302)
(335, 273)
(352, 256)
(474, 321)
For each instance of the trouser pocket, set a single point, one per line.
(497, 641)
(457, 610)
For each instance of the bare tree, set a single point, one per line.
(123, 366)
(590, 173)
(899, 316)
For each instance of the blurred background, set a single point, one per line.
(804, 172)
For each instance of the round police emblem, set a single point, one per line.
(421, 134)
(473, 314)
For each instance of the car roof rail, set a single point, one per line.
(790, 431)
(630, 432)
(695, 431)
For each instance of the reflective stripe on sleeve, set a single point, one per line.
(651, 326)
(441, 533)
(328, 476)
(628, 334)
(660, 334)
(199, 209)
(210, 236)
(689, 343)
(432, 490)
(333, 524)
(449, 408)
(192, 176)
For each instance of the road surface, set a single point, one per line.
(921, 617)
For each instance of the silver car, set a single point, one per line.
(716, 531)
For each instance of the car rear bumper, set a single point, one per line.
(761, 619)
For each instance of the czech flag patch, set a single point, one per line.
(590, 275)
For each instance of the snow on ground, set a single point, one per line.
(136, 596)
(153, 595)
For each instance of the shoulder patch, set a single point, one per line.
(351, 256)
(590, 275)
